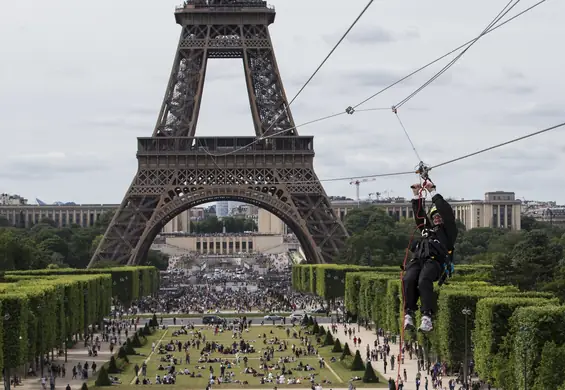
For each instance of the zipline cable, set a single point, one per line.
(332, 51)
(407, 135)
(494, 28)
(412, 172)
(500, 15)
(499, 145)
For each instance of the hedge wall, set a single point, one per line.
(330, 278)
(128, 283)
(352, 287)
(531, 329)
(42, 312)
(492, 324)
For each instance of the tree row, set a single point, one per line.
(43, 311)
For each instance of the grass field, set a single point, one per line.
(335, 372)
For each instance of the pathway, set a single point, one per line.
(369, 337)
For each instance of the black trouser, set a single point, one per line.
(419, 281)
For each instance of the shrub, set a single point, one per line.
(136, 342)
(316, 328)
(357, 364)
(346, 351)
(128, 346)
(103, 378)
(122, 354)
(329, 340)
(113, 366)
(370, 376)
(154, 322)
(337, 346)
(322, 331)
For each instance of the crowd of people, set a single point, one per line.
(268, 295)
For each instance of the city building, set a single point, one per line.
(497, 209)
(222, 208)
(12, 200)
(63, 215)
(228, 243)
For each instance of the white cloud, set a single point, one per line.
(86, 84)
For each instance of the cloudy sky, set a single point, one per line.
(79, 81)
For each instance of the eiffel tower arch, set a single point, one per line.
(178, 170)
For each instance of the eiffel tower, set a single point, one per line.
(178, 171)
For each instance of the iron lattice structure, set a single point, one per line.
(177, 170)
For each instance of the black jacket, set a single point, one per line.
(441, 238)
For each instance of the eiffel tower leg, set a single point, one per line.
(267, 97)
(127, 225)
(179, 112)
(314, 207)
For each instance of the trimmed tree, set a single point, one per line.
(322, 331)
(316, 328)
(136, 342)
(154, 322)
(113, 366)
(357, 364)
(103, 378)
(122, 354)
(346, 351)
(311, 321)
(370, 376)
(329, 340)
(337, 346)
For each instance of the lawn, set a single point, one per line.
(335, 372)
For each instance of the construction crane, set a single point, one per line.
(358, 183)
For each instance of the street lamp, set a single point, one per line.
(466, 312)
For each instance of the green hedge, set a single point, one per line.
(352, 287)
(531, 329)
(41, 312)
(330, 278)
(450, 322)
(492, 324)
(128, 283)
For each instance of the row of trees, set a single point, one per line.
(516, 335)
(46, 245)
(213, 224)
(44, 310)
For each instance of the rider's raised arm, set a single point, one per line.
(419, 207)
(448, 216)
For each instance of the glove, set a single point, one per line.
(429, 186)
